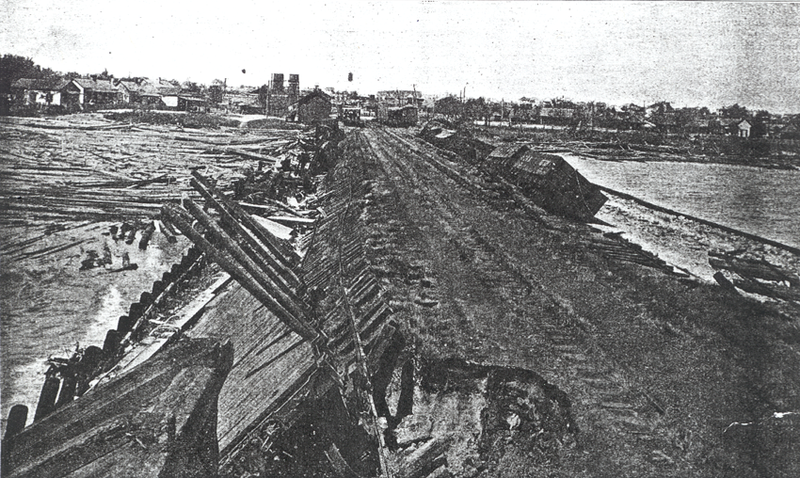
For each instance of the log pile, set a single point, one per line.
(64, 173)
(248, 252)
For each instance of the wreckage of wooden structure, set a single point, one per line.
(755, 276)
(159, 419)
(286, 348)
(548, 180)
(294, 332)
(458, 141)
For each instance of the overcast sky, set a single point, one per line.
(689, 53)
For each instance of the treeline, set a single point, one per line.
(14, 67)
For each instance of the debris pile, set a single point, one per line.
(754, 275)
(464, 419)
(458, 140)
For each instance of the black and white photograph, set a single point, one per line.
(399, 239)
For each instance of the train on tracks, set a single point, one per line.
(397, 115)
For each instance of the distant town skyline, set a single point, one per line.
(689, 53)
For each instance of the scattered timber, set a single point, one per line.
(755, 276)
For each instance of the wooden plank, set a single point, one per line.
(177, 388)
(269, 360)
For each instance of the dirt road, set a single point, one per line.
(657, 367)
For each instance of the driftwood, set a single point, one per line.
(776, 291)
(753, 268)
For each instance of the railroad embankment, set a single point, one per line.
(453, 327)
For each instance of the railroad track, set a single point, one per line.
(488, 288)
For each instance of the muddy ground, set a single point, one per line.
(528, 350)
(638, 371)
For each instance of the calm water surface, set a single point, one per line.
(764, 202)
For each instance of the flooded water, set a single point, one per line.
(49, 305)
(764, 202)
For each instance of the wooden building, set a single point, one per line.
(89, 93)
(548, 180)
(31, 92)
(311, 108)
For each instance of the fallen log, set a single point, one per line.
(283, 294)
(288, 257)
(259, 251)
(775, 291)
(425, 460)
(754, 269)
(175, 215)
(292, 220)
(166, 231)
(272, 202)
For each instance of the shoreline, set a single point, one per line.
(656, 207)
(450, 263)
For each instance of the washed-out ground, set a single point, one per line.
(532, 352)
(610, 368)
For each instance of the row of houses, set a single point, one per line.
(660, 117)
(78, 94)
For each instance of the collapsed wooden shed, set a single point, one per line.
(548, 180)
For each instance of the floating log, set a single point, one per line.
(68, 387)
(146, 235)
(17, 417)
